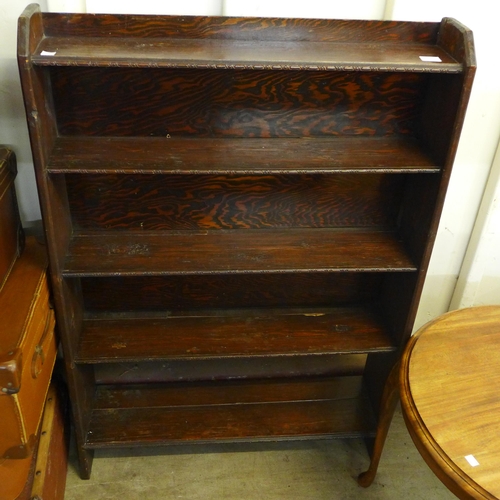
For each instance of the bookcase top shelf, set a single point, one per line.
(244, 43)
(231, 54)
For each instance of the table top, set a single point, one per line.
(450, 395)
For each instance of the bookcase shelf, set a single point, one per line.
(239, 214)
(232, 333)
(234, 251)
(115, 155)
(238, 54)
(229, 411)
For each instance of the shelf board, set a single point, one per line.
(232, 333)
(156, 155)
(229, 411)
(241, 54)
(141, 253)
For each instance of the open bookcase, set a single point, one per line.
(239, 214)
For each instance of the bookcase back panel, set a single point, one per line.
(157, 202)
(230, 368)
(228, 291)
(235, 103)
(233, 28)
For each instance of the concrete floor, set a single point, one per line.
(304, 470)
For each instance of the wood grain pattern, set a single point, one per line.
(247, 178)
(234, 103)
(227, 291)
(233, 28)
(208, 393)
(449, 391)
(351, 154)
(236, 54)
(253, 411)
(153, 202)
(230, 333)
(49, 480)
(256, 422)
(231, 42)
(235, 251)
(458, 40)
(189, 370)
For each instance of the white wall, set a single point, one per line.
(13, 129)
(479, 280)
(352, 9)
(182, 7)
(66, 5)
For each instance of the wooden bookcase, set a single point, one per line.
(239, 213)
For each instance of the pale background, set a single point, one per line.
(465, 266)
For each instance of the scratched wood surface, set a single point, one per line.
(235, 251)
(247, 332)
(232, 368)
(238, 42)
(230, 410)
(192, 155)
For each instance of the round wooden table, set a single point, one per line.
(450, 396)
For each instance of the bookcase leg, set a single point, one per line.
(85, 458)
(388, 405)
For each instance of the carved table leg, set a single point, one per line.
(388, 405)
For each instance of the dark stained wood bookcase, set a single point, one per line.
(239, 213)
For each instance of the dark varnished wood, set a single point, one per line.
(352, 154)
(441, 133)
(237, 199)
(282, 55)
(229, 333)
(56, 219)
(11, 231)
(207, 394)
(235, 251)
(229, 368)
(388, 404)
(258, 103)
(458, 41)
(225, 291)
(280, 43)
(154, 202)
(231, 28)
(268, 410)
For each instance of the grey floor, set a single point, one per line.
(308, 470)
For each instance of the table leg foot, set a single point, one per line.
(365, 479)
